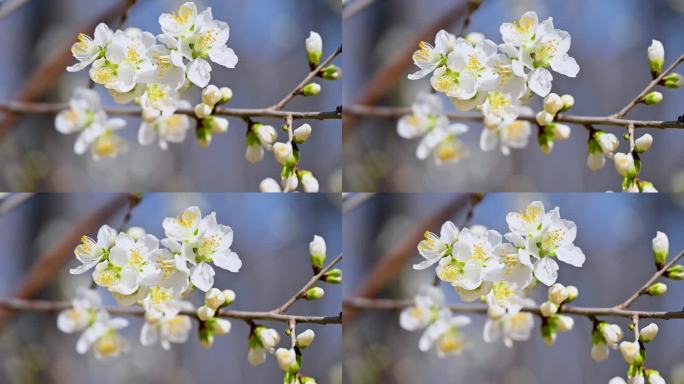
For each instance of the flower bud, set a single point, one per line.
(311, 380)
(624, 164)
(630, 351)
(673, 80)
(214, 298)
(661, 248)
(267, 134)
(331, 72)
(607, 141)
(552, 103)
(572, 293)
(287, 360)
(314, 48)
(305, 338)
(643, 143)
(228, 296)
(568, 102)
(205, 313)
(600, 351)
(314, 293)
(317, 251)
(256, 355)
(564, 323)
(596, 161)
(302, 133)
(656, 57)
(653, 98)
(654, 377)
(657, 289)
(221, 326)
(313, 89)
(290, 182)
(544, 118)
(560, 131)
(548, 308)
(648, 333)
(269, 185)
(254, 153)
(136, 233)
(309, 182)
(557, 293)
(676, 272)
(202, 110)
(283, 153)
(217, 124)
(226, 95)
(612, 333)
(549, 335)
(647, 187)
(206, 338)
(268, 337)
(545, 143)
(203, 136)
(333, 276)
(211, 95)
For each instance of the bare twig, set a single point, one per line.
(10, 6)
(640, 97)
(355, 7)
(15, 304)
(396, 112)
(353, 200)
(53, 108)
(12, 201)
(298, 89)
(358, 303)
(315, 279)
(644, 288)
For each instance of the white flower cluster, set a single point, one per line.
(136, 270)
(152, 71)
(475, 72)
(480, 265)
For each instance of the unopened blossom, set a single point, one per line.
(629, 351)
(309, 182)
(434, 247)
(287, 359)
(656, 56)
(314, 48)
(269, 185)
(428, 58)
(91, 252)
(305, 338)
(661, 247)
(648, 333)
(643, 143)
(624, 164)
(262, 340)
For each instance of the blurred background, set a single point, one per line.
(613, 230)
(268, 37)
(271, 236)
(609, 41)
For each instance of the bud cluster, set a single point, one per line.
(551, 131)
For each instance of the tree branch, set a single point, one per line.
(298, 89)
(54, 108)
(396, 112)
(307, 286)
(640, 97)
(16, 304)
(351, 201)
(644, 288)
(10, 6)
(481, 309)
(10, 202)
(355, 7)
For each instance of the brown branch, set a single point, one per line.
(133, 200)
(15, 304)
(44, 77)
(350, 201)
(644, 288)
(54, 108)
(355, 7)
(47, 266)
(300, 294)
(640, 97)
(386, 77)
(10, 6)
(298, 89)
(358, 303)
(10, 202)
(396, 112)
(391, 263)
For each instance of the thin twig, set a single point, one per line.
(353, 200)
(298, 89)
(14, 200)
(15, 304)
(133, 201)
(10, 6)
(300, 294)
(396, 112)
(640, 97)
(355, 7)
(359, 303)
(644, 288)
(54, 108)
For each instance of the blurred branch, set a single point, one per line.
(298, 89)
(133, 200)
(640, 97)
(355, 7)
(644, 288)
(12, 201)
(10, 6)
(386, 77)
(48, 265)
(359, 303)
(396, 112)
(351, 201)
(386, 269)
(54, 108)
(44, 77)
(301, 293)
(15, 304)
